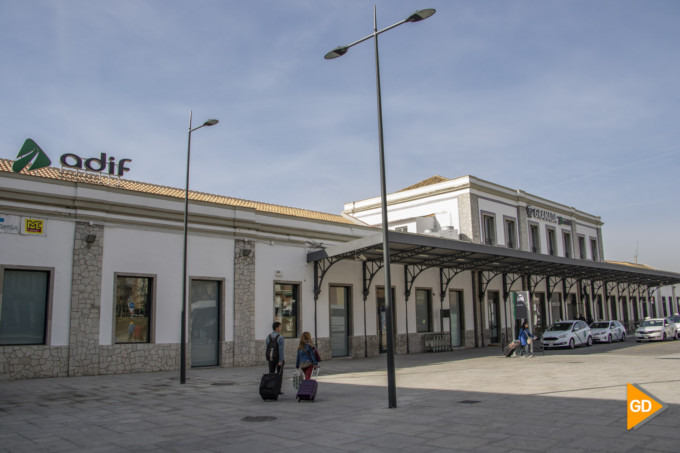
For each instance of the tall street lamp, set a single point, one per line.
(183, 341)
(338, 52)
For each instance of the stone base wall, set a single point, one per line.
(226, 354)
(246, 352)
(290, 346)
(139, 358)
(83, 356)
(359, 345)
(469, 339)
(414, 343)
(487, 337)
(324, 348)
(31, 362)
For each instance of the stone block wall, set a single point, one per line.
(246, 352)
(83, 357)
(227, 354)
(359, 344)
(139, 358)
(469, 339)
(30, 362)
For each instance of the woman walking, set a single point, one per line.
(525, 338)
(306, 357)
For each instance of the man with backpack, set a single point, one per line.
(275, 356)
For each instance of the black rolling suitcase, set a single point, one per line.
(308, 388)
(270, 385)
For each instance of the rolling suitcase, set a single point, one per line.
(510, 348)
(270, 385)
(307, 390)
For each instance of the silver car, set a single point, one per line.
(567, 334)
(676, 319)
(655, 329)
(608, 331)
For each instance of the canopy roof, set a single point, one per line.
(428, 251)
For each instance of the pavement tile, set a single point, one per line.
(558, 409)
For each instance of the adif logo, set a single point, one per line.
(30, 152)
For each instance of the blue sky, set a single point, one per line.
(575, 101)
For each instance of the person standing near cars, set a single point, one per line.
(524, 338)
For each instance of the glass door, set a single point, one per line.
(339, 300)
(494, 325)
(382, 319)
(205, 326)
(456, 318)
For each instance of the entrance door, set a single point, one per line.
(339, 300)
(599, 308)
(382, 319)
(456, 318)
(555, 307)
(571, 307)
(539, 313)
(494, 310)
(205, 325)
(612, 306)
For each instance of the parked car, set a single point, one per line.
(608, 331)
(676, 319)
(656, 329)
(567, 334)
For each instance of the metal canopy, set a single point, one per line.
(425, 252)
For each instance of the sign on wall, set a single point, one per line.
(32, 157)
(10, 224)
(548, 216)
(520, 301)
(33, 227)
(29, 226)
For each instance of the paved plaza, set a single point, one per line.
(463, 401)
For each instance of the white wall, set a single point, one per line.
(291, 261)
(500, 210)
(54, 250)
(159, 253)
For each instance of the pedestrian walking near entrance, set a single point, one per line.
(525, 338)
(275, 348)
(306, 355)
(270, 385)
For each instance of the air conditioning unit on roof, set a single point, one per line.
(448, 232)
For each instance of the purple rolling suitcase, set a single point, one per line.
(307, 390)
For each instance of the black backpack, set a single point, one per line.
(273, 349)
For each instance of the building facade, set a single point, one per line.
(91, 274)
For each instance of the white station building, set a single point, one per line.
(91, 273)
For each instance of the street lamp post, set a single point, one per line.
(338, 52)
(183, 340)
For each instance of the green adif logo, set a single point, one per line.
(30, 152)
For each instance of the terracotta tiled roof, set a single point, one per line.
(136, 186)
(436, 179)
(626, 263)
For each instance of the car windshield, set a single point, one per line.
(560, 326)
(675, 318)
(599, 325)
(652, 323)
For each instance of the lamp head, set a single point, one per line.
(421, 15)
(211, 122)
(337, 52)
